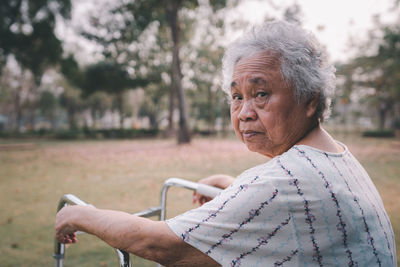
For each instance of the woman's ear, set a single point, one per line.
(312, 105)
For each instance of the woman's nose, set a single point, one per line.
(247, 112)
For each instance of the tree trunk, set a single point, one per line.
(382, 115)
(120, 109)
(225, 118)
(17, 110)
(384, 107)
(94, 113)
(171, 126)
(172, 7)
(32, 106)
(53, 120)
(153, 121)
(211, 113)
(33, 100)
(71, 117)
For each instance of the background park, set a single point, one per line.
(107, 99)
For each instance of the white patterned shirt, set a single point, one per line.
(305, 207)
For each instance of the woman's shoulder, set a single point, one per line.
(304, 157)
(314, 151)
(300, 159)
(266, 172)
(258, 170)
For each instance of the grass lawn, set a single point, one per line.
(128, 175)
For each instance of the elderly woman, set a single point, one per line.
(312, 204)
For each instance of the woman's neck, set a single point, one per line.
(322, 140)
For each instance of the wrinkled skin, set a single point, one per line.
(264, 113)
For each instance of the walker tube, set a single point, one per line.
(209, 191)
(203, 189)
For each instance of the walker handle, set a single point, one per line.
(206, 190)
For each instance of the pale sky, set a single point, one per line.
(339, 19)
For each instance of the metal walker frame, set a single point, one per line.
(160, 211)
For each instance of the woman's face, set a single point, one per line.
(264, 114)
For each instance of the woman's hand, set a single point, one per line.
(64, 226)
(219, 180)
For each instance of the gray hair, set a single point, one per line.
(303, 62)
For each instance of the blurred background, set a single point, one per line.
(106, 99)
(98, 69)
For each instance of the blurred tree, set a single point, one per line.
(376, 77)
(71, 97)
(15, 87)
(117, 31)
(99, 103)
(47, 105)
(112, 78)
(154, 63)
(27, 33)
(71, 71)
(153, 104)
(143, 14)
(388, 82)
(293, 13)
(342, 98)
(71, 100)
(172, 8)
(28, 26)
(207, 100)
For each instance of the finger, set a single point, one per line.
(64, 240)
(194, 198)
(72, 235)
(203, 200)
(73, 238)
(69, 240)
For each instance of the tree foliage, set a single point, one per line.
(376, 77)
(122, 33)
(111, 78)
(27, 32)
(72, 102)
(48, 106)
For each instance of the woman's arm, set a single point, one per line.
(148, 239)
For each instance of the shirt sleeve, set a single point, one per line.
(238, 222)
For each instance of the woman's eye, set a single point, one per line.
(261, 94)
(236, 97)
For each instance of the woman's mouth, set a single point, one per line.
(249, 134)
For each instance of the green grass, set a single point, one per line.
(128, 175)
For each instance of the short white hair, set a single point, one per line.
(303, 61)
